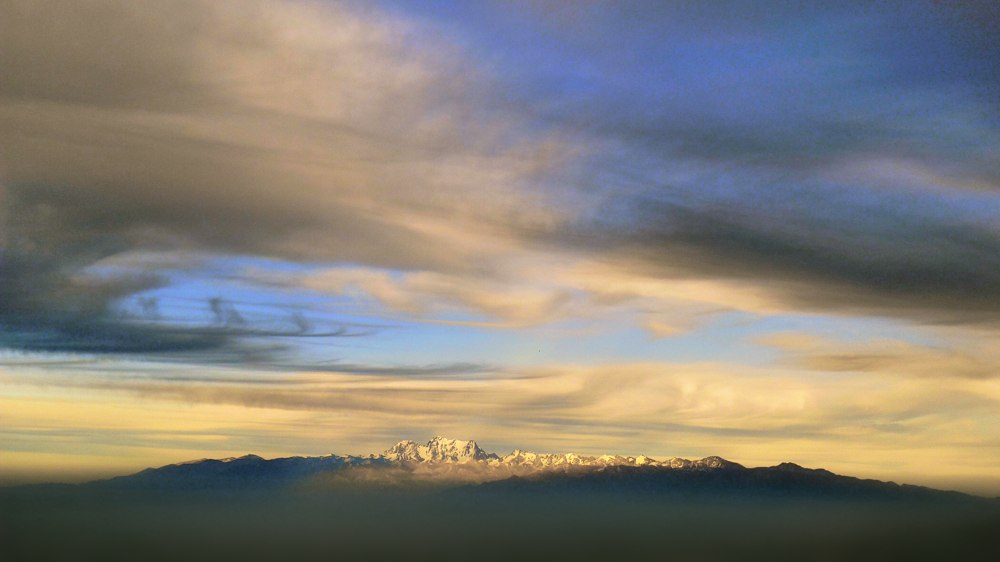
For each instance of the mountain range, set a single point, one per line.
(448, 499)
(462, 467)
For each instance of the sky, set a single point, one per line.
(768, 231)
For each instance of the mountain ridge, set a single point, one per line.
(462, 467)
(443, 450)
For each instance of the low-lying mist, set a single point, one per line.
(464, 523)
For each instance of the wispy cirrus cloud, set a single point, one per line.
(893, 358)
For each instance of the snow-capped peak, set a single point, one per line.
(716, 462)
(438, 449)
(442, 450)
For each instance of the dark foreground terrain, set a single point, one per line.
(571, 520)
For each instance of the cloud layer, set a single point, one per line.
(848, 422)
(831, 159)
(843, 158)
(294, 131)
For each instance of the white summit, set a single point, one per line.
(438, 450)
(442, 450)
(439, 461)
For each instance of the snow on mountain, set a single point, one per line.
(438, 450)
(715, 462)
(440, 460)
(539, 461)
(442, 452)
(444, 463)
(454, 451)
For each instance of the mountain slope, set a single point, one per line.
(469, 470)
(450, 500)
(726, 482)
(440, 459)
(250, 471)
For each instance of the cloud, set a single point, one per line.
(842, 421)
(825, 251)
(836, 159)
(795, 85)
(501, 302)
(693, 398)
(800, 158)
(887, 357)
(533, 289)
(297, 131)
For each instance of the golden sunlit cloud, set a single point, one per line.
(750, 415)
